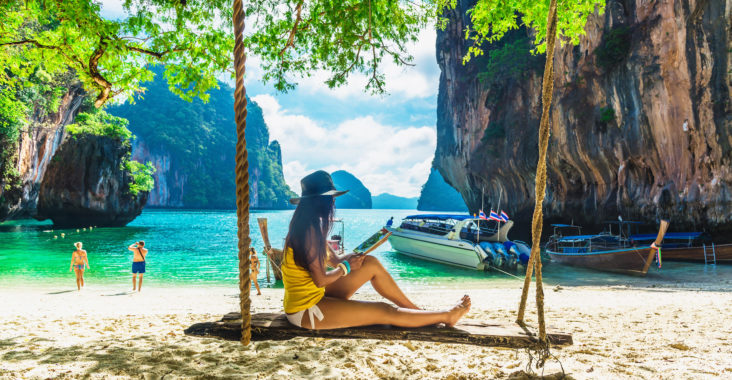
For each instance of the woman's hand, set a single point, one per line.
(355, 261)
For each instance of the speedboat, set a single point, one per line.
(459, 240)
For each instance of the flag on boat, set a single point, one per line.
(481, 215)
(504, 216)
(495, 217)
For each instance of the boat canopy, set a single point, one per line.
(669, 235)
(579, 237)
(441, 216)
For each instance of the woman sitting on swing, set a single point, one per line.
(318, 298)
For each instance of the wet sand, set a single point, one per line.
(101, 332)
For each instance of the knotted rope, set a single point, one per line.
(536, 224)
(242, 174)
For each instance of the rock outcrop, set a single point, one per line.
(37, 145)
(86, 185)
(641, 122)
(437, 195)
(358, 196)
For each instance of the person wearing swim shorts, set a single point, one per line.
(138, 263)
(79, 262)
(318, 298)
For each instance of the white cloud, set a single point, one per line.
(385, 158)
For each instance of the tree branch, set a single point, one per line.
(39, 45)
(293, 31)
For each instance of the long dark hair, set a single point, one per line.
(309, 227)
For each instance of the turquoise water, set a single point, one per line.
(193, 247)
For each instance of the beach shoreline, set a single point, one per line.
(100, 332)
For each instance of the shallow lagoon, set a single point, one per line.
(189, 247)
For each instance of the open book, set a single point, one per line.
(373, 242)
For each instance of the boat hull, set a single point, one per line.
(628, 260)
(436, 249)
(723, 253)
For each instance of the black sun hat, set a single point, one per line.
(316, 184)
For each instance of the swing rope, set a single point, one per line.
(536, 225)
(242, 174)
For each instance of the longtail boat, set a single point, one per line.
(608, 251)
(690, 246)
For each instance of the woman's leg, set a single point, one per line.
(381, 280)
(81, 277)
(340, 313)
(253, 278)
(78, 282)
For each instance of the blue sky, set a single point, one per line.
(386, 141)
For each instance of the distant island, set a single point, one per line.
(438, 195)
(358, 196)
(390, 201)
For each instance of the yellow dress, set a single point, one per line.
(300, 291)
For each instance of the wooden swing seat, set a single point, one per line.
(273, 326)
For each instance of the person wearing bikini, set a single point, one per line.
(319, 298)
(138, 263)
(78, 263)
(254, 269)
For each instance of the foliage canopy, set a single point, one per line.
(293, 38)
(492, 19)
(113, 57)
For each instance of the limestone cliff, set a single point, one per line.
(37, 144)
(192, 147)
(86, 184)
(641, 120)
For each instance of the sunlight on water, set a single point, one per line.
(199, 247)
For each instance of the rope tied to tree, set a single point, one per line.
(540, 188)
(242, 174)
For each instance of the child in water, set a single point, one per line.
(78, 262)
(254, 269)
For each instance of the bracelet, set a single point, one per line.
(348, 265)
(343, 267)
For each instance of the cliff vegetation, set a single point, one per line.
(192, 145)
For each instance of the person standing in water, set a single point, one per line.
(138, 263)
(78, 262)
(254, 269)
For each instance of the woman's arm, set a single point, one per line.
(86, 260)
(321, 277)
(333, 258)
(71, 265)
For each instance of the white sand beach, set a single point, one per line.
(104, 333)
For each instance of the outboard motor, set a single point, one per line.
(487, 249)
(524, 251)
(513, 256)
(501, 252)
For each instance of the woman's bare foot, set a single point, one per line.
(458, 311)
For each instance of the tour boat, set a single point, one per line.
(458, 240)
(690, 246)
(607, 251)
